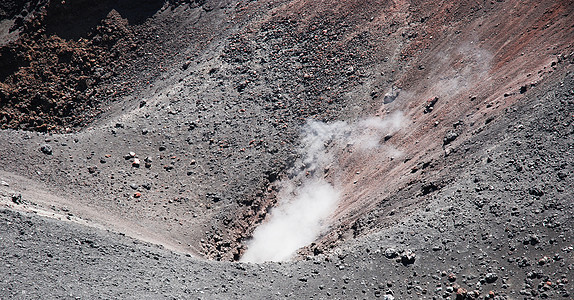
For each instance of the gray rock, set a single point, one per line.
(391, 95)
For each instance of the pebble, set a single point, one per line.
(136, 163)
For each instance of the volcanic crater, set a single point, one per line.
(419, 149)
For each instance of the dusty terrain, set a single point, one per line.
(142, 144)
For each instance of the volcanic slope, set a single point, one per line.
(197, 126)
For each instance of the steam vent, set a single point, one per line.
(286, 149)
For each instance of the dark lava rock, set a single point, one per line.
(46, 149)
(391, 253)
(491, 277)
(536, 191)
(428, 188)
(92, 169)
(534, 239)
(17, 198)
(430, 105)
(408, 257)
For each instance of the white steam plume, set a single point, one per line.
(307, 199)
(294, 224)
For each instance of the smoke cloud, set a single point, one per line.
(307, 199)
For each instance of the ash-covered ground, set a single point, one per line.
(379, 149)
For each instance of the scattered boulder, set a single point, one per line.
(428, 188)
(490, 277)
(92, 169)
(391, 253)
(17, 199)
(391, 95)
(533, 239)
(429, 107)
(523, 89)
(536, 191)
(46, 149)
(148, 162)
(461, 294)
(408, 257)
(449, 137)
